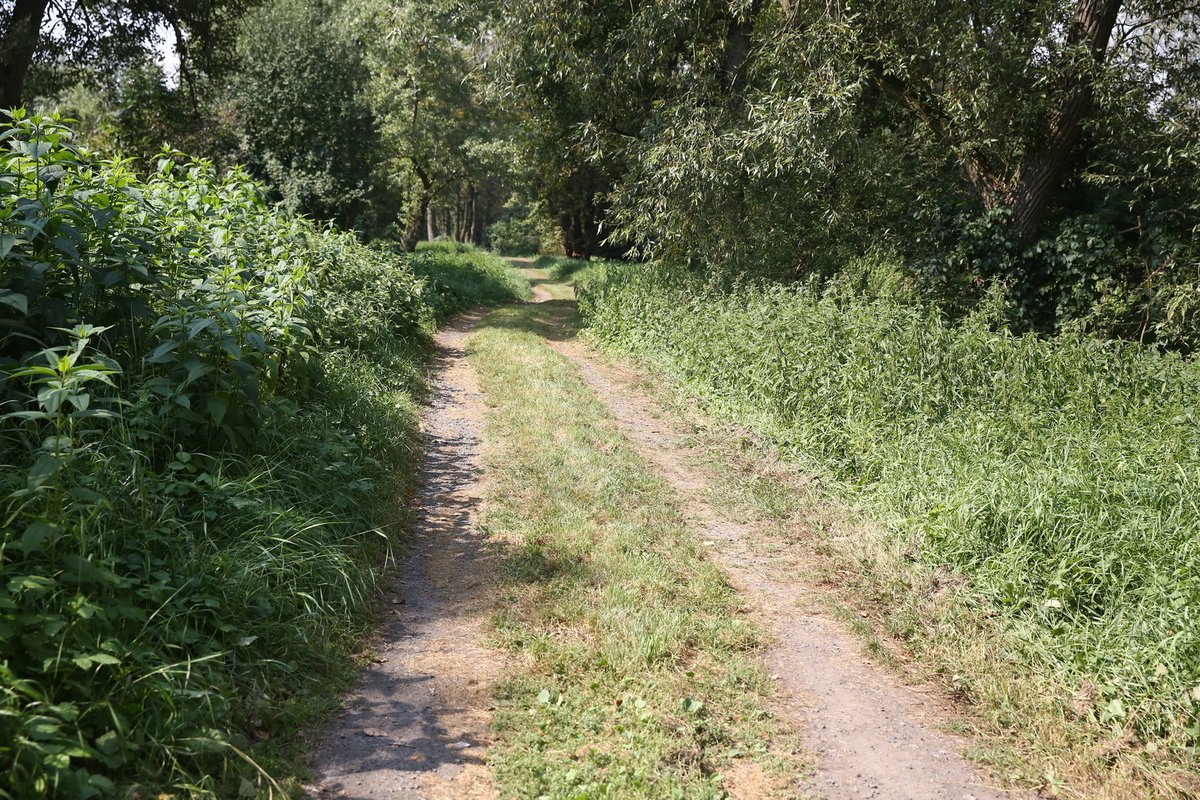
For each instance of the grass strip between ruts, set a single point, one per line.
(638, 674)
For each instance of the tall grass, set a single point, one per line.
(1060, 477)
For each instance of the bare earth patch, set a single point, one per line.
(874, 737)
(416, 725)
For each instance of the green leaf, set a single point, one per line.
(41, 728)
(195, 327)
(108, 743)
(195, 369)
(15, 300)
(1115, 710)
(160, 353)
(30, 583)
(103, 659)
(85, 495)
(217, 407)
(43, 470)
(39, 536)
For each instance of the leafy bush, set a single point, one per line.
(562, 268)
(461, 276)
(207, 404)
(1057, 475)
(514, 237)
(520, 232)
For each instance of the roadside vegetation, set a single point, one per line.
(209, 421)
(1057, 477)
(637, 675)
(942, 256)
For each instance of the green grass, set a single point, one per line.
(223, 589)
(1057, 477)
(571, 269)
(637, 673)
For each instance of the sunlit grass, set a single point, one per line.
(639, 676)
(1058, 477)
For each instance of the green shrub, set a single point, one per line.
(1059, 476)
(562, 268)
(514, 237)
(521, 231)
(461, 277)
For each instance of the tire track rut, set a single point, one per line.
(873, 736)
(416, 725)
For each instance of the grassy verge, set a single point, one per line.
(571, 269)
(1028, 503)
(639, 676)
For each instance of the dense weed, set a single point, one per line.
(462, 275)
(208, 417)
(1059, 476)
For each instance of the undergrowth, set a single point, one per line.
(1058, 477)
(461, 274)
(571, 269)
(208, 419)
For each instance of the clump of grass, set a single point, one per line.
(1057, 476)
(639, 677)
(562, 268)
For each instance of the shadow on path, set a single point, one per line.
(416, 725)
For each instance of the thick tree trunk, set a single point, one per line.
(430, 234)
(1041, 170)
(1029, 189)
(18, 43)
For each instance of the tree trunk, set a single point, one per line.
(18, 43)
(1041, 170)
(737, 46)
(472, 214)
(429, 232)
(579, 233)
(412, 231)
(456, 217)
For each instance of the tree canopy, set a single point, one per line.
(1049, 147)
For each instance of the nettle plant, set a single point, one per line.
(198, 284)
(72, 241)
(234, 315)
(147, 326)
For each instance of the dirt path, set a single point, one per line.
(874, 737)
(416, 726)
